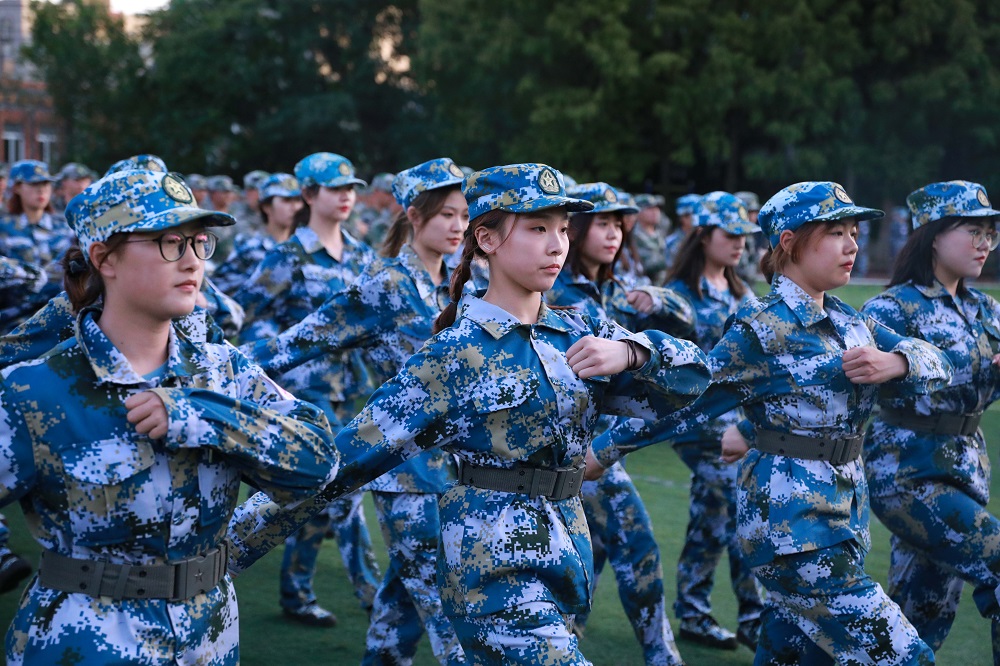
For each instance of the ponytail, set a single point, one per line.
(492, 219)
(81, 279)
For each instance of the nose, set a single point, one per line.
(558, 243)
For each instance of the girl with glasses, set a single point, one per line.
(126, 444)
(925, 456)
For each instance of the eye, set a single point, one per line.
(171, 239)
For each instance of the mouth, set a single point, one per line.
(848, 266)
(188, 285)
(552, 268)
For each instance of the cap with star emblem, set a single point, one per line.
(519, 188)
(953, 198)
(810, 201)
(605, 198)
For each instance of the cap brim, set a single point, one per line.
(178, 216)
(981, 212)
(743, 229)
(858, 212)
(551, 201)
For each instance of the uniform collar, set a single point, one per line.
(311, 243)
(799, 302)
(933, 290)
(412, 263)
(184, 359)
(498, 322)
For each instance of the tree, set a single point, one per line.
(93, 71)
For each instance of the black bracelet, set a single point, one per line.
(633, 356)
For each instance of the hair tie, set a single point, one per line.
(78, 267)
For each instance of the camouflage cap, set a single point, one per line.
(466, 170)
(518, 188)
(129, 201)
(279, 185)
(569, 181)
(605, 198)
(726, 211)
(954, 198)
(431, 175)
(75, 171)
(253, 180)
(749, 200)
(220, 184)
(30, 171)
(326, 169)
(382, 182)
(196, 181)
(686, 203)
(643, 201)
(811, 201)
(145, 162)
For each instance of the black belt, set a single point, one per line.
(556, 484)
(937, 424)
(175, 582)
(834, 450)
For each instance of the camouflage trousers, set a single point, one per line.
(822, 608)
(622, 533)
(942, 537)
(298, 567)
(408, 600)
(534, 634)
(711, 530)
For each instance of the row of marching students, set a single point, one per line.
(514, 389)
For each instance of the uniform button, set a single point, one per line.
(83, 586)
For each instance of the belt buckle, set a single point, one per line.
(195, 575)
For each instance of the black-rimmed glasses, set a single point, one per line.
(173, 245)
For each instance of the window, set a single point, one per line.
(46, 147)
(13, 146)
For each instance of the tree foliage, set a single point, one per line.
(647, 94)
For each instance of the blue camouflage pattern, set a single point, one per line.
(723, 210)
(954, 198)
(92, 488)
(327, 170)
(38, 248)
(605, 198)
(254, 179)
(278, 185)
(810, 201)
(248, 251)
(686, 203)
(142, 162)
(931, 490)
(519, 188)
(30, 171)
(430, 175)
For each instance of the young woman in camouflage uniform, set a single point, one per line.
(388, 312)
(620, 528)
(925, 456)
(292, 281)
(805, 368)
(705, 274)
(126, 443)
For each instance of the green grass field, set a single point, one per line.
(267, 638)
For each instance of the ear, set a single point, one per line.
(413, 217)
(485, 239)
(785, 240)
(103, 260)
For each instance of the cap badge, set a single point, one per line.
(981, 196)
(344, 169)
(455, 171)
(176, 189)
(610, 196)
(841, 195)
(743, 214)
(548, 182)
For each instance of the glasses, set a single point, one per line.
(982, 237)
(174, 245)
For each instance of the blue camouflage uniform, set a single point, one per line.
(686, 205)
(803, 523)
(18, 279)
(620, 527)
(249, 248)
(389, 312)
(711, 526)
(40, 245)
(930, 484)
(513, 567)
(289, 284)
(102, 497)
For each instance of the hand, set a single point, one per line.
(868, 365)
(594, 469)
(147, 413)
(734, 446)
(591, 356)
(641, 301)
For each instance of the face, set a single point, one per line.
(531, 254)
(723, 249)
(684, 221)
(955, 253)
(281, 211)
(602, 241)
(253, 197)
(220, 199)
(34, 196)
(70, 187)
(137, 276)
(828, 259)
(649, 217)
(442, 234)
(333, 204)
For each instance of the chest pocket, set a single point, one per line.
(503, 392)
(109, 490)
